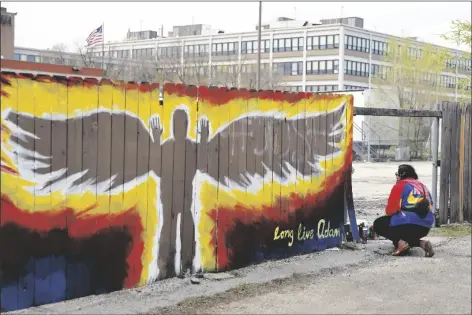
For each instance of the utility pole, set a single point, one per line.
(259, 47)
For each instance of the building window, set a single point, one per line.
(200, 50)
(288, 44)
(295, 44)
(289, 68)
(363, 44)
(293, 88)
(322, 67)
(462, 64)
(321, 88)
(380, 48)
(322, 42)
(173, 51)
(196, 50)
(30, 58)
(378, 70)
(224, 49)
(354, 87)
(16, 56)
(447, 81)
(123, 54)
(250, 47)
(356, 68)
(143, 53)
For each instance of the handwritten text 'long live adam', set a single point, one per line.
(304, 234)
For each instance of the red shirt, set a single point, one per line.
(406, 194)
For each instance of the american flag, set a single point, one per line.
(95, 37)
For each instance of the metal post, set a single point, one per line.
(368, 95)
(370, 64)
(259, 47)
(368, 146)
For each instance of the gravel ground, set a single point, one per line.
(338, 281)
(386, 285)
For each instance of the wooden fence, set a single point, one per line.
(455, 201)
(104, 187)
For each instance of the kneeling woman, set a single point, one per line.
(409, 214)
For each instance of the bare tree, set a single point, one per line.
(271, 79)
(60, 48)
(190, 69)
(412, 82)
(113, 68)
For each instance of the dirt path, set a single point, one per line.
(386, 285)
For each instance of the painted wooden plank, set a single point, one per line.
(223, 173)
(42, 145)
(142, 166)
(155, 210)
(264, 229)
(235, 152)
(167, 236)
(188, 224)
(90, 136)
(10, 290)
(59, 164)
(104, 140)
(180, 127)
(117, 146)
(75, 285)
(203, 167)
(130, 198)
(287, 148)
(279, 146)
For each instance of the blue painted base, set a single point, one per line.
(46, 280)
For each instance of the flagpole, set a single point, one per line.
(103, 45)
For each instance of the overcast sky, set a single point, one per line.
(41, 25)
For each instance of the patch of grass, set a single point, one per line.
(452, 230)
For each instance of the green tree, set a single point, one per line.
(460, 34)
(412, 81)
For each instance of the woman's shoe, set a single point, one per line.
(402, 248)
(428, 249)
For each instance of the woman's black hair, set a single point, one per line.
(407, 171)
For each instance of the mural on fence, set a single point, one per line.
(104, 188)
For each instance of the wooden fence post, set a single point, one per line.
(445, 165)
(455, 163)
(467, 158)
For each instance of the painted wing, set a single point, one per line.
(31, 143)
(262, 145)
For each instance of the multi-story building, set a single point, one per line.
(334, 54)
(7, 33)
